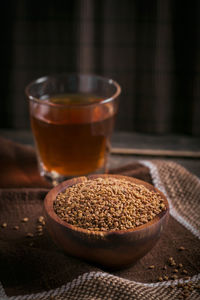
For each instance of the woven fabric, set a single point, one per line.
(182, 190)
(183, 193)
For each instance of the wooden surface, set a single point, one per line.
(143, 147)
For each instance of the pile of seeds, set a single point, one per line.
(173, 270)
(39, 227)
(108, 204)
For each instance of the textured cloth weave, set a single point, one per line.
(42, 271)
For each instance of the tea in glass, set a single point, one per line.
(72, 127)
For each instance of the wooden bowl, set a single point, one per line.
(111, 249)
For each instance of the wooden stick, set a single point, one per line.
(156, 152)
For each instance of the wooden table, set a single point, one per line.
(128, 146)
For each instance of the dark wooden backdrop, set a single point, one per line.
(151, 48)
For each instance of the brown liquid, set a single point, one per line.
(72, 140)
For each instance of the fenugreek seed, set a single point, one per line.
(16, 227)
(29, 234)
(164, 268)
(165, 277)
(25, 220)
(39, 226)
(181, 248)
(160, 278)
(4, 225)
(39, 229)
(174, 277)
(180, 265)
(184, 272)
(175, 271)
(107, 204)
(103, 229)
(40, 219)
(151, 267)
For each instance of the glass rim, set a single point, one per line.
(44, 78)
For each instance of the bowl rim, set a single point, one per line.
(50, 198)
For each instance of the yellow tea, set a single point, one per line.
(71, 132)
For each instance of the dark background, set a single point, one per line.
(152, 48)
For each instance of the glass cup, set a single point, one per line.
(72, 118)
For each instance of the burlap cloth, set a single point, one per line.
(34, 268)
